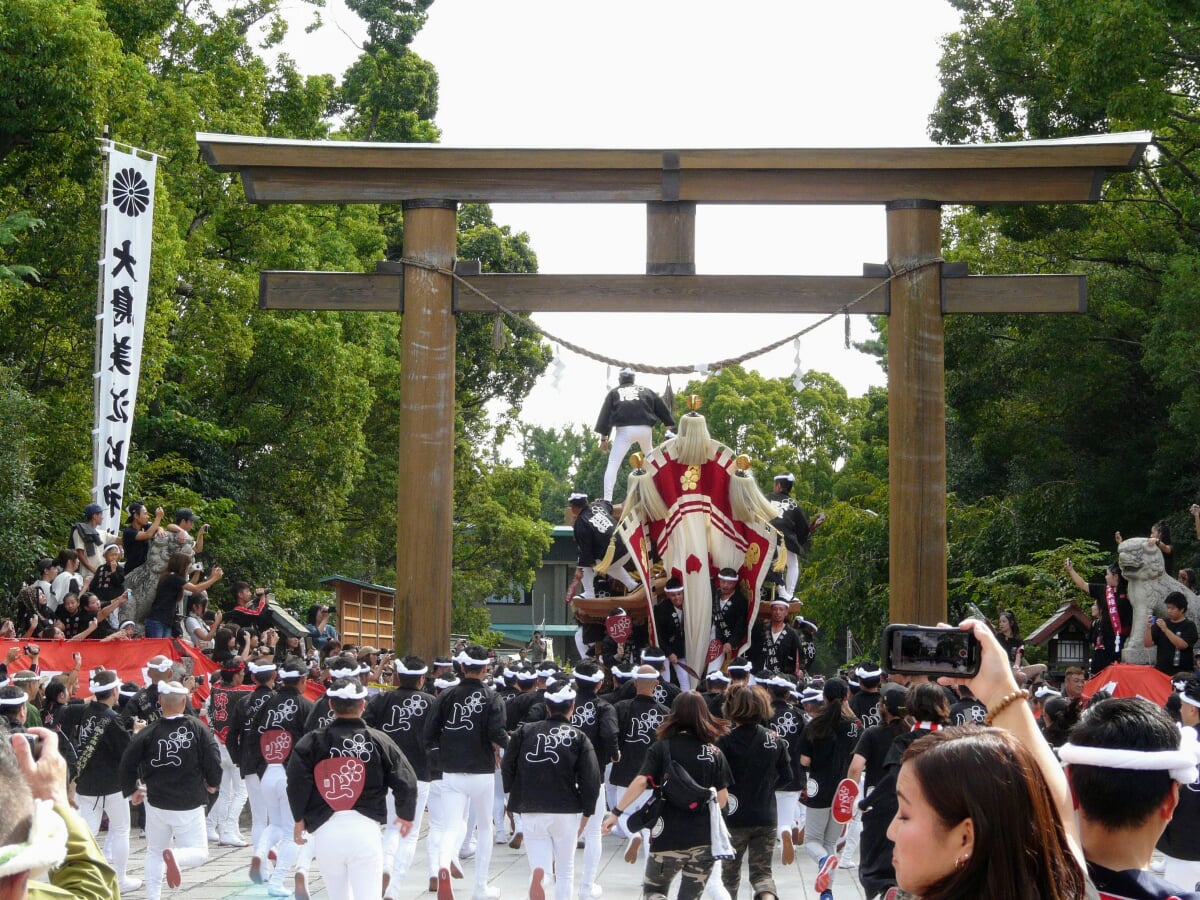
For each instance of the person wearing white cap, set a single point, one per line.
(263, 672)
(1180, 842)
(465, 729)
(338, 782)
(274, 732)
(793, 525)
(100, 743)
(172, 765)
(144, 704)
(638, 719)
(400, 714)
(631, 411)
(1127, 764)
(552, 777)
(774, 644)
(597, 718)
(223, 699)
(594, 526)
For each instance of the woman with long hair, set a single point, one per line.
(1014, 646)
(758, 761)
(681, 840)
(172, 585)
(986, 813)
(826, 748)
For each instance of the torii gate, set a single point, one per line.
(912, 183)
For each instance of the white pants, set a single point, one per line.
(350, 854)
(437, 825)
(626, 437)
(616, 572)
(622, 828)
(227, 811)
(1184, 873)
(280, 825)
(116, 845)
(464, 792)
(186, 828)
(550, 845)
(592, 848)
(399, 851)
(787, 803)
(500, 801)
(790, 576)
(684, 679)
(258, 808)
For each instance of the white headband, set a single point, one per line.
(647, 658)
(125, 693)
(172, 687)
(727, 578)
(867, 673)
(97, 687)
(718, 675)
(591, 679)
(1181, 764)
(739, 667)
(45, 848)
(810, 696)
(622, 674)
(527, 676)
(776, 681)
(1046, 691)
(853, 683)
(350, 691)
(442, 683)
(164, 666)
(344, 673)
(779, 601)
(1188, 700)
(577, 496)
(469, 661)
(402, 670)
(13, 701)
(260, 668)
(645, 676)
(565, 694)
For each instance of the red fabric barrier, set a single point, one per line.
(126, 658)
(1126, 680)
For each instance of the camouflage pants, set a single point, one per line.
(757, 842)
(695, 863)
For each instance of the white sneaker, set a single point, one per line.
(502, 838)
(487, 892)
(467, 852)
(234, 840)
(213, 837)
(595, 892)
(129, 885)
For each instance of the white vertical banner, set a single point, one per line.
(128, 216)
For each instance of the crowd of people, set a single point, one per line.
(350, 757)
(739, 773)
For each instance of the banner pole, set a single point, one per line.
(97, 400)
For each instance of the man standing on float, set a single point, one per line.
(631, 410)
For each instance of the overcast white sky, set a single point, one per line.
(672, 74)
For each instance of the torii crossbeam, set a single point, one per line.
(912, 183)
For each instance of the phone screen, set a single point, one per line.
(918, 650)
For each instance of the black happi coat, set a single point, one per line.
(401, 714)
(238, 733)
(637, 721)
(550, 767)
(384, 766)
(465, 723)
(100, 776)
(286, 710)
(176, 759)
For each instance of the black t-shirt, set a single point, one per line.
(873, 747)
(166, 599)
(108, 584)
(1171, 659)
(1099, 593)
(968, 712)
(684, 828)
(73, 623)
(866, 706)
(1181, 839)
(1012, 645)
(135, 551)
(829, 758)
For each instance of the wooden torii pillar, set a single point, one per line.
(912, 183)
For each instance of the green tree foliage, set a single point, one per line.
(279, 428)
(1082, 424)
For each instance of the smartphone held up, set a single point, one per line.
(924, 650)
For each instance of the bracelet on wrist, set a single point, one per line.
(618, 812)
(1003, 703)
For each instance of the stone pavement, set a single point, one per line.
(224, 876)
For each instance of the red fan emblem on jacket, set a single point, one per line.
(276, 745)
(340, 781)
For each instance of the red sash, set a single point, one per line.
(1114, 617)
